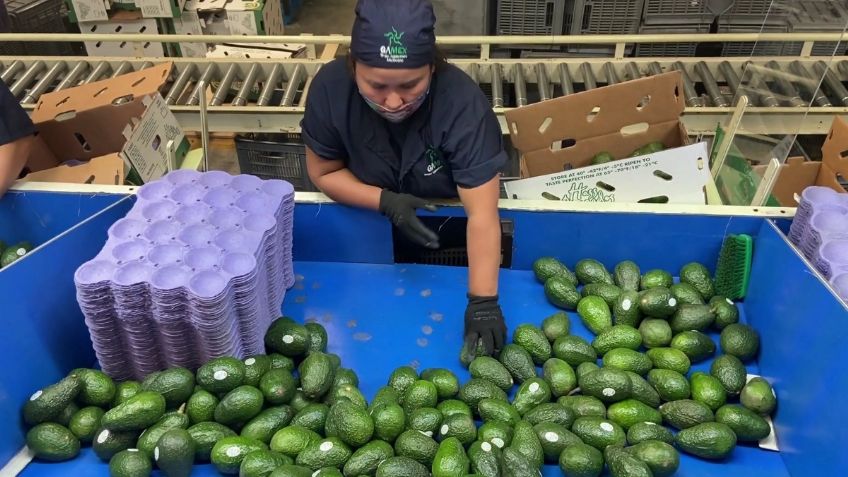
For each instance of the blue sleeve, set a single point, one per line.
(14, 121)
(317, 128)
(475, 144)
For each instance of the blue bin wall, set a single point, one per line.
(802, 327)
(44, 334)
(39, 216)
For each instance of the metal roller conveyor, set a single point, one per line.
(246, 86)
(809, 84)
(565, 80)
(36, 91)
(11, 71)
(831, 82)
(497, 86)
(179, 84)
(293, 85)
(199, 87)
(589, 80)
(790, 94)
(224, 86)
(632, 70)
(692, 97)
(259, 86)
(28, 77)
(545, 89)
(99, 71)
(123, 68)
(73, 77)
(710, 84)
(271, 84)
(520, 86)
(611, 75)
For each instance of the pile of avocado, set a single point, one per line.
(296, 412)
(649, 331)
(604, 156)
(13, 252)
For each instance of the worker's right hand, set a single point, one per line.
(400, 209)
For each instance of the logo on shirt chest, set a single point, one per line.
(433, 158)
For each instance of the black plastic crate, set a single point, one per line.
(275, 156)
(39, 16)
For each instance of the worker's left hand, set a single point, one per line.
(484, 321)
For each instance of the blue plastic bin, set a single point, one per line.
(380, 315)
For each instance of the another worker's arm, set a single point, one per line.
(483, 237)
(16, 132)
(13, 158)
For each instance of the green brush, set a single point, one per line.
(734, 266)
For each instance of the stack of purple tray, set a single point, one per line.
(197, 269)
(820, 230)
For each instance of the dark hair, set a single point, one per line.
(440, 61)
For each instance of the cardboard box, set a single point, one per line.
(797, 174)
(124, 115)
(160, 8)
(674, 176)
(87, 10)
(106, 170)
(237, 17)
(567, 132)
(256, 50)
(124, 22)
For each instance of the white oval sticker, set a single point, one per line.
(326, 446)
(729, 301)
(533, 387)
(444, 430)
(36, 395)
(156, 453)
(288, 339)
(220, 375)
(608, 392)
(250, 361)
(551, 437)
(428, 433)
(606, 426)
(626, 304)
(496, 441)
(672, 302)
(233, 451)
(21, 252)
(103, 436)
(486, 447)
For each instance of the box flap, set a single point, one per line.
(795, 175)
(113, 91)
(835, 152)
(651, 100)
(106, 170)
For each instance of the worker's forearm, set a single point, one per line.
(342, 186)
(13, 157)
(484, 253)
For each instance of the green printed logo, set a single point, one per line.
(395, 51)
(434, 161)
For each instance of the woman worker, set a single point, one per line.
(394, 124)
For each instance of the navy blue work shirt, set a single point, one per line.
(14, 121)
(454, 138)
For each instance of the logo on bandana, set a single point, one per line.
(394, 52)
(434, 161)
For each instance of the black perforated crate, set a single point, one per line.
(39, 16)
(275, 156)
(606, 17)
(532, 17)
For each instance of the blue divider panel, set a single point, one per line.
(803, 327)
(44, 334)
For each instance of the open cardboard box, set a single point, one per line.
(125, 115)
(797, 174)
(566, 133)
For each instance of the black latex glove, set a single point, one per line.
(484, 321)
(400, 209)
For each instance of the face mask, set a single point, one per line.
(399, 114)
